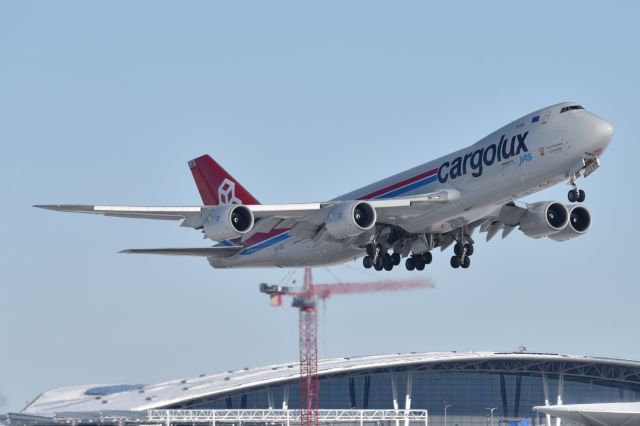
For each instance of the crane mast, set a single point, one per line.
(308, 312)
(306, 299)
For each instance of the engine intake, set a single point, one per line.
(543, 219)
(579, 224)
(226, 222)
(350, 218)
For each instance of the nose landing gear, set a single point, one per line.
(575, 194)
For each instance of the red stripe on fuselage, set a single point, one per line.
(399, 184)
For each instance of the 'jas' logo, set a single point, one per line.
(475, 161)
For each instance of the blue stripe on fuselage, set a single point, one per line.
(265, 244)
(391, 194)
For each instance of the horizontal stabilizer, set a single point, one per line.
(218, 251)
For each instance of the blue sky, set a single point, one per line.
(106, 102)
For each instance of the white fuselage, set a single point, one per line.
(523, 157)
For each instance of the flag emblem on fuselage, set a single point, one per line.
(535, 119)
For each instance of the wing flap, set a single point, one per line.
(218, 251)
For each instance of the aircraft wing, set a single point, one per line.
(161, 213)
(218, 251)
(306, 218)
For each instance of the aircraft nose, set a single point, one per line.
(600, 134)
(604, 132)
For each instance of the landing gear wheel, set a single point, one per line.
(572, 196)
(410, 264)
(419, 265)
(367, 262)
(466, 262)
(371, 249)
(428, 257)
(469, 248)
(395, 259)
(458, 249)
(455, 262)
(581, 196)
(387, 264)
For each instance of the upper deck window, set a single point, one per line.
(567, 108)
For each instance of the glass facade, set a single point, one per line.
(469, 393)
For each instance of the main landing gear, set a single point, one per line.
(575, 194)
(418, 261)
(461, 257)
(379, 259)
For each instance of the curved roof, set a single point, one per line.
(616, 413)
(175, 392)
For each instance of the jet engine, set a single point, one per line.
(579, 224)
(229, 221)
(544, 218)
(350, 218)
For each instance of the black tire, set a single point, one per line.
(469, 249)
(581, 196)
(571, 195)
(410, 264)
(367, 262)
(378, 264)
(428, 257)
(419, 266)
(388, 266)
(395, 259)
(466, 262)
(371, 249)
(455, 262)
(458, 248)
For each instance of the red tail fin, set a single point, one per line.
(216, 186)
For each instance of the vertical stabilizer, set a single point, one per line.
(216, 186)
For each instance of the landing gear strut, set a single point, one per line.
(575, 194)
(373, 257)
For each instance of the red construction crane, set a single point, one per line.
(306, 300)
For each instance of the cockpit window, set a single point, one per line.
(568, 108)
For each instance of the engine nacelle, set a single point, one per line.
(543, 219)
(579, 224)
(229, 221)
(350, 218)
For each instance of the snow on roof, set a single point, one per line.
(160, 395)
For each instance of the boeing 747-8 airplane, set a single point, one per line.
(407, 215)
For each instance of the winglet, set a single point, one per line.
(216, 185)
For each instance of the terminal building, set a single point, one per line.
(450, 388)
